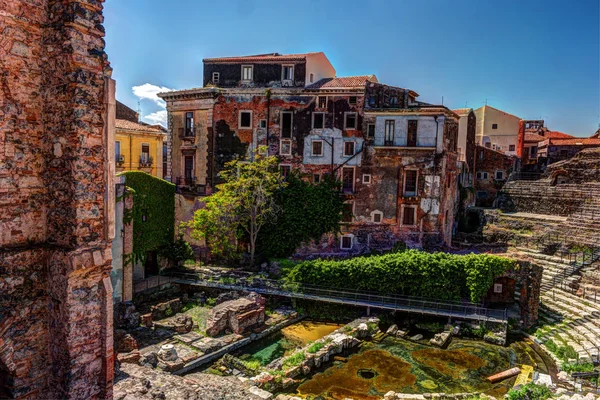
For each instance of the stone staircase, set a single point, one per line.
(565, 318)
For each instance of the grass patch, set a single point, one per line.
(313, 348)
(530, 391)
(294, 360)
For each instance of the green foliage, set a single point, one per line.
(550, 345)
(566, 353)
(178, 251)
(308, 211)
(433, 327)
(530, 391)
(211, 302)
(577, 367)
(412, 273)
(294, 360)
(313, 348)
(241, 207)
(153, 198)
(252, 364)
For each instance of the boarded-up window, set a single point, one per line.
(348, 212)
(408, 216)
(317, 148)
(286, 124)
(189, 167)
(411, 140)
(346, 242)
(348, 179)
(286, 147)
(410, 183)
(348, 149)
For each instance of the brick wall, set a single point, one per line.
(55, 302)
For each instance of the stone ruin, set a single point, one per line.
(56, 197)
(238, 316)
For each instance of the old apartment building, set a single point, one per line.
(497, 130)
(396, 156)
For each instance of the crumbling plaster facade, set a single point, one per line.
(347, 116)
(56, 201)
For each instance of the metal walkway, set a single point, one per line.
(417, 305)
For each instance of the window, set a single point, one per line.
(494, 126)
(348, 179)
(316, 178)
(287, 73)
(497, 288)
(372, 101)
(263, 123)
(215, 77)
(377, 217)
(408, 216)
(352, 100)
(318, 120)
(533, 151)
(311, 78)
(366, 179)
(189, 124)
(145, 156)
(286, 124)
(390, 127)
(350, 120)
(245, 120)
(322, 101)
(164, 160)
(371, 131)
(511, 147)
(317, 148)
(346, 242)
(394, 101)
(285, 170)
(285, 148)
(247, 72)
(411, 139)
(118, 151)
(499, 175)
(188, 162)
(482, 194)
(348, 212)
(348, 149)
(488, 145)
(482, 175)
(410, 183)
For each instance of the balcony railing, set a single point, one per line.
(120, 159)
(146, 161)
(186, 133)
(188, 185)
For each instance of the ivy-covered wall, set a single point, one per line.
(153, 212)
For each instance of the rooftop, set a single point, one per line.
(575, 142)
(134, 126)
(343, 82)
(269, 57)
(462, 111)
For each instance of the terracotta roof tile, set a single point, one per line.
(575, 141)
(343, 82)
(260, 58)
(557, 135)
(462, 111)
(534, 137)
(134, 126)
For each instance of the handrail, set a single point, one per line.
(359, 298)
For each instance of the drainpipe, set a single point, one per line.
(130, 154)
(268, 94)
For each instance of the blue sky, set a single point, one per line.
(530, 58)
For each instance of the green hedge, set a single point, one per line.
(154, 198)
(410, 273)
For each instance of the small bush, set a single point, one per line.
(550, 345)
(531, 391)
(253, 365)
(577, 367)
(294, 360)
(211, 301)
(313, 348)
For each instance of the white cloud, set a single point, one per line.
(159, 117)
(150, 91)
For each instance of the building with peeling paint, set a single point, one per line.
(397, 186)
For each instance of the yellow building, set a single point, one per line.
(138, 147)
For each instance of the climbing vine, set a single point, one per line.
(412, 273)
(153, 213)
(308, 211)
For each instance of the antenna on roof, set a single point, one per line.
(139, 112)
(466, 104)
(442, 100)
(486, 102)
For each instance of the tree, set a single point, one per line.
(244, 203)
(309, 211)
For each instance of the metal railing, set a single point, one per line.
(419, 305)
(186, 133)
(151, 283)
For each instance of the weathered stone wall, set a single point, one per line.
(490, 161)
(55, 294)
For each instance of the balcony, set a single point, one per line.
(120, 159)
(187, 134)
(146, 161)
(187, 185)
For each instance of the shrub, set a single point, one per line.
(294, 360)
(531, 391)
(313, 348)
(412, 273)
(577, 367)
(253, 365)
(550, 345)
(211, 302)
